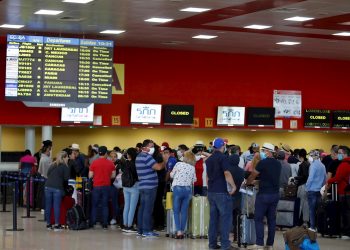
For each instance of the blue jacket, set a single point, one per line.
(317, 176)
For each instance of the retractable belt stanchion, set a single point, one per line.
(28, 198)
(4, 183)
(14, 207)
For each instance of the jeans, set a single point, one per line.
(181, 201)
(313, 199)
(53, 197)
(221, 206)
(100, 197)
(144, 217)
(131, 197)
(114, 194)
(265, 205)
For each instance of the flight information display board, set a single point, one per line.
(56, 69)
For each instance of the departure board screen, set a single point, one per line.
(56, 69)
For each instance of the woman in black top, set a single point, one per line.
(301, 179)
(57, 175)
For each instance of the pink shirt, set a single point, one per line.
(28, 159)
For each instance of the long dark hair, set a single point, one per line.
(132, 152)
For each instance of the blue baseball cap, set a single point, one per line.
(218, 143)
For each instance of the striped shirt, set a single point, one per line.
(148, 178)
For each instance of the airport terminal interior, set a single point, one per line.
(81, 74)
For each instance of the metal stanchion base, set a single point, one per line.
(24, 217)
(6, 211)
(15, 230)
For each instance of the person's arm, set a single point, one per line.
(338, 175)
(230, 181)
(172, 173)
(91, 174)
(252, 177)
(311, 178)
(158, 166)
(329, 175)
(113, 174)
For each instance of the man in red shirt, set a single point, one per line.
(342, 177)
(102, 171)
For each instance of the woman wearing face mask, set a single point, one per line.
(301, 179)
(199, 168)
(184, 175)
(180, 151)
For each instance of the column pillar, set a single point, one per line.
(30, 139)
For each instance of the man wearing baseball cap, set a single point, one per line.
(102, 171)
(220, 188)
(269, 170)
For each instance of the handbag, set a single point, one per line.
(118, 181)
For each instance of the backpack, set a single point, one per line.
(295, 237)
(129, 176)
(75, 218)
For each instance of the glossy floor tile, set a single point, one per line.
(36, 237)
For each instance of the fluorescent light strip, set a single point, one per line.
(115, 32)
(257, 27)
(288, 43)
(204, 37)
(158, 20)
(194, 9)
(77, 1)
(299, 18)
(342, 34)
(48, 12)
(11, 26)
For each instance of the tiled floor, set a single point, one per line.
(36, 237)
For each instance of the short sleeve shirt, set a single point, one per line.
(270, 171)
(171, 163)
(217, 164)
(102, 169)
(148, 178)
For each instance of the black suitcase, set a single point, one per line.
(287, 213)
(328, 215)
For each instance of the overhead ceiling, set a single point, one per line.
(226, 19)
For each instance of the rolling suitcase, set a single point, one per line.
(170, 224)
(246, 226)
(199, 217)
(328, 215)
(287, 212)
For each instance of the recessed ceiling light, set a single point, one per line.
(194, 9)
(158, 20)
(115, 32)
(204, 37)
(11, 26)
(342, 34)
(299, 18)
(77, 1)
(48, 12)
(257, 27)
(345, 23)
(288, 43)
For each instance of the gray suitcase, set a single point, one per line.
(170, 224)
(246, 225)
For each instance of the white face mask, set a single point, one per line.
(179, 154)
(151, 151)
(119, 155)
(198, 157)
(310, 159)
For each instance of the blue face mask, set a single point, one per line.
(262, 155)
(340, 157)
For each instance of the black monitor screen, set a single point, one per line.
(178, 114)
(341, 119)
(261, 116)
(317, 118)
(57, 69)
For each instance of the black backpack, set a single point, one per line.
(75, 218)
(129, 176)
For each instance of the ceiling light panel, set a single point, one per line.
(342, 34)
(257, 27)
(77, 1)
(195, 9)
(158, 20)
(299, 19)
(48, 12)
(288, 43)
(11, 26)
(115, 32)
(204, 37)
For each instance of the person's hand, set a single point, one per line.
(233, 190)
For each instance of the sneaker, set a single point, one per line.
(42, 211)
(49, 227)
(345, 237)
(150, 235)
(104, 227)
(215, 247)
(129, 230)
(57, 228)
(312, 229)
(113, 222)
(139, 234)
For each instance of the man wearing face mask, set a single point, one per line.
(316, 180)
(146, 168)
(199, 167)
(269, 170)
(342, 177)
(220, 200)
